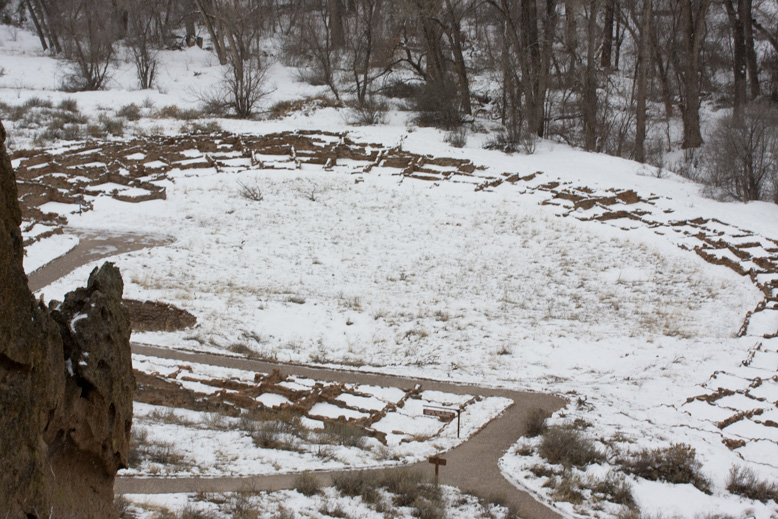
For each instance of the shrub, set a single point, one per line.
(241, 89)
(677, 464)
(124, 507)
(131, 112)
(240, 507)
(359, 483)
(307, 484)
(368, 113)
(197, 127)
(615, 489)
(250, 192)
(38, 102)
(535, 420)
(512, 139)
(271, 435)
(744, 482)
(190, 512)
(345, 434)
(308, 105)
(68, 105)
(429, 508)
(142, 449)
(110, 125)
(566, 488)
(457, 138)
(409, 486)
(565, 445)
(174, 112)
(741, 157)
(400, 90)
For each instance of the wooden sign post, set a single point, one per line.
(444, 413)
(437, 461)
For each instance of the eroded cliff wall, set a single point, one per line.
(65, 385)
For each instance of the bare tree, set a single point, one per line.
(742, 155)
(529, 37)
(316, 33)
(142, 27)
(86, 27)
(45, 15)
(370, 45)
(236, 28)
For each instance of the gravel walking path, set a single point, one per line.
(472, 466)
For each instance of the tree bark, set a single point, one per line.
(590, 82)
(692, 24)
(44, 17)
(207, 18)
(662, 70)
(456, 39)
(644, 57)
(738, 60)
(607, 35)
(746, 16)
(335, 12)
(37, 24)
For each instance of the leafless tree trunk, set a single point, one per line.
(644, 57)
(738, 60)
(38, 27)
(746, 16)
(662, 71)
(693, 14)
(589, 101)
(208, 10)
(45, 21)
(456, 37)
(607, 34)
(335, 11)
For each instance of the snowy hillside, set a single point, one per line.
(495, 276)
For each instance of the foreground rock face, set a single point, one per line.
(65, 385)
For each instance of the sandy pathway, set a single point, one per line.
(91, 247)
(472, 466)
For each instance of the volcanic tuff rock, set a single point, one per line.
(65, 385)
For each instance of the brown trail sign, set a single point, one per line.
(444, 413)
(437, 461)
(448, 415)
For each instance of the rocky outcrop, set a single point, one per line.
(65, 385)
(155, 316)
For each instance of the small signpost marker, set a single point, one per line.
(445, 413)
(437, 461)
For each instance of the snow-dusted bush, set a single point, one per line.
(677, 464)
(307, 484)
(742, 156)
(566, 445)
(743, 481)
(368, 113)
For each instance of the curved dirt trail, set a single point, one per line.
(472, 466)
(91, 246)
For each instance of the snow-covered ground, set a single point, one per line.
(209, 444)
(422, 279)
